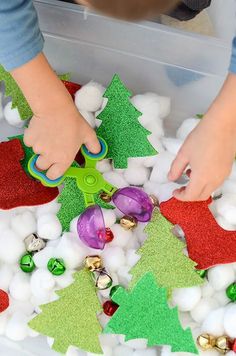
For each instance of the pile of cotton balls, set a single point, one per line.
(204, 309)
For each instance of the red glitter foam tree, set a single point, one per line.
(16, 187)
(208, 244)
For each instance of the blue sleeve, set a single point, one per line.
(232, 67)
(20, 36)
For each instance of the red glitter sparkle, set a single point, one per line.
(71, 87)
(208, 244)
(4, 301)
(16, 187)
(110, 307)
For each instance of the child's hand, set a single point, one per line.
(57, 140)
(210, 148)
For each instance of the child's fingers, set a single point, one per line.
(43, 163)
(194, 191)
(28, 138)
(178, 166)
(56, 170)
(93, 144)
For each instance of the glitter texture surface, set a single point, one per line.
(120, 127)
(208, 244)
(162, 254)
(16, 188)
(143, 313)
(72, 319)
(27, 150)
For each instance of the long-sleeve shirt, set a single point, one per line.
(21, 39)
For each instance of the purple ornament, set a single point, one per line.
(134, 202)
(91, 228)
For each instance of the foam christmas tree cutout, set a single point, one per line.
(16, 188)
(72, 319)
(72, 202)
(143, 313)
(162, 254)
(18, 99)
(120, 127)
(208, 244)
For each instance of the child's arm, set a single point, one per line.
(57, 130)
(210, 148)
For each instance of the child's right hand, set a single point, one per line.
(58, 138)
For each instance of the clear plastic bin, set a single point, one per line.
(149, 57)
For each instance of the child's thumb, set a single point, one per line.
(93, 144)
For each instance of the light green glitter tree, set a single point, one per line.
(162, 254)
(72, 319)
(120, 127)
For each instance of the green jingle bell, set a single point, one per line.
(27, 264)
(56, 266)
(202, 273)
(114, 289)
(231, 292)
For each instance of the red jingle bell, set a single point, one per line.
(110, 307)
(4, 301)
(109, 235)
(71, 87)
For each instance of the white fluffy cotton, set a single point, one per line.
(187, 126)
(203, 308)
(165, 191)
(116, 179)
(49, 227)
(6, 274)
(226, 207)
(172, 145)
(12, 247)
(12, 116)
(152, 104)
(136, 175)
(109, 217)
(121, 236)
(186, 298)
(89, 97)
(89, 117)
(42, 283)
(20, 287)
(49, 208)
(230, 321)
(162, 167)
(132, 257)
(123, 350)
(220, 277)
(24, 224)
(17, 328)
(214, 322)
(113, 258)
(42, 257)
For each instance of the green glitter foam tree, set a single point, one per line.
(144, 313)
(72, 319)
(162, 254)
(120, 127)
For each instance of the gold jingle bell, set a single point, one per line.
(128, 222)
(105, 197)
(34, 243)
(206, 341)
(102, 279)
(223, 344)
(93, 263)
(154, 200)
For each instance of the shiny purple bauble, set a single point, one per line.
(91, 228)
(134, 202)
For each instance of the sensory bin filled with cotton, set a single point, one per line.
(207, 307)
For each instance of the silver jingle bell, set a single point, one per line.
(34, 243)
(102, 279)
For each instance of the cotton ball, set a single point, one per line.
(89, 117)
(155, 127)
(42, 283)
(164, 106)
(122, 350)
(124, 275)
(220, 277)
(116, 179)
(132, 258)
(203, 308)
(121, 236)
(65, 279)
(162, 167)
(89, 97)
(50, 208)
(12, 116)
(225, 224)
(230, 321)
(25, 306)
(165, 191)
(146, 118)
(108, 340)
(226, 206)
(113, 258)
(172, 145)
(140, 344)
(213, 324)
(109, 217)
(6, 274)
(222, 298)
(210, 352)
(20, 286)
(148, 352)
(229, 187)
(42, 257)
(12, 247)
(49, 227)
(147, 104)
(3, 322)
(166, 351)
(103, 319)
(71, 250)
(150, 162)
(156, 143)
(207, 290)
(136, 175)
(230, 353)
(187, 126)
(17, 328)
(5, 219)
(186, 298)
(24, 224)
(104, 166)
(72, 351)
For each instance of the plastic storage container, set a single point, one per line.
(149, 57)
